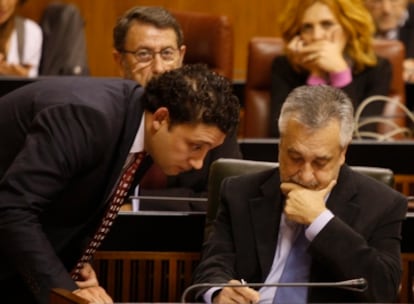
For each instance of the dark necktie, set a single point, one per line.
(296, 270)
(117, 199)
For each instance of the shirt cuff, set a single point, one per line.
(207, 296)
(318, 224)
(341, 79)
(315, 80)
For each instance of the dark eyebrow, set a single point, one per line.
(199, 142)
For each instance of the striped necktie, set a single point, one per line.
(117, 199)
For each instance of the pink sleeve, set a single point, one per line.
(341, 79)
(315, 80)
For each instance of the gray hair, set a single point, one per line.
(157, 16)
(316, 106)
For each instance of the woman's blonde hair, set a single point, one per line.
(352, 15)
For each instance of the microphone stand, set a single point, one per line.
(358, 285)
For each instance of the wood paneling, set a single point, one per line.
(142, 276)
(250, 18)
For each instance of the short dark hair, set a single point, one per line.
(194, 94)
(153, 15)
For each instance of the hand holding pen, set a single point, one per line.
(237, 295)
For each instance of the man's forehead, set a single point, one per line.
(146, 30)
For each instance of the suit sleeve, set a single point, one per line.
(218, 252)
(61, 143)
(373, 254)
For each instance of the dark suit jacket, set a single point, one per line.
(362, 240)
(372, 81)
(63, 144)
(406, 33)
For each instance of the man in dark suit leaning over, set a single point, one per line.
(351, 222)
(64, 142)
(148, 41)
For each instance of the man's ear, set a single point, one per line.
(343, 155)
(182, 51)
(117, 56)
(159, 117)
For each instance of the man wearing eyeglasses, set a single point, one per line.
(148, 41)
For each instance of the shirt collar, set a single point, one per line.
(138, 144)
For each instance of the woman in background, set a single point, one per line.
(328, 42)
(20, 42)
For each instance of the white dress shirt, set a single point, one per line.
(32, 47)
(137, 146)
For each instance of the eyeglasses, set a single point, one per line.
(146, 55)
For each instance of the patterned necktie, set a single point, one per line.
(296, 270)
(117, 199)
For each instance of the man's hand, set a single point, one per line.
(87, 277)
(408, 71)
(319, 57)
(324, 55)
(89, 288)
(14, 69)
(304, 205)
(95, 295)
(236, 295)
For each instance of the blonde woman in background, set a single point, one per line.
(328, 42)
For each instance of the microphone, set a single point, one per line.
(169, 198)
(359, 285)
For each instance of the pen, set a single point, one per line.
(243, 282)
